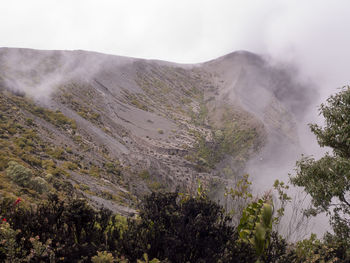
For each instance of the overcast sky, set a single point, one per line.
(181, 31)
(313, 34)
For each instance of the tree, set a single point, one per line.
(327, 180)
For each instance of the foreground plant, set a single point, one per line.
(255, 226)
(327, 180)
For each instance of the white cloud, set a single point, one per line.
(312, 34)
(184, 31)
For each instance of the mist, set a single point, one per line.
(40, 73)
(311, 37)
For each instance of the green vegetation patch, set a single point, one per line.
(137, 99)
(151, 181)
(56, 118)
(31, 148)
(231, 138)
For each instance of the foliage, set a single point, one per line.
(57, 153)
(29, 136)
(169, 228)
(41, 251)
(70, 165)
(69, 231)
(19, 174)
(336, 132)
(9, 246)
(255, 226)
(278, 250)
(24, 177)
(151, 181)
(113, 168)
(233, 137)
(239, 252)
(193, 230)
(103, 257)
(57, 118)
(314, 250)
(327, 180)
(146, 260)
(39, 184)
(239, 195)
(283, 199)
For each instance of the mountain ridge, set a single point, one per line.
(146, 125)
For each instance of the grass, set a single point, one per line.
(137, 99)
(88, 113)
(56, 118)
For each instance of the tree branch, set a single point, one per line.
(342, 198)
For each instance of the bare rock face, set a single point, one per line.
(144, 125)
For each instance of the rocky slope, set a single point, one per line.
(112, 128)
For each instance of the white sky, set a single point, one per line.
(313, 34)
(181, 30)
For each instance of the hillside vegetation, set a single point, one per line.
(110, 155)
(115, 132)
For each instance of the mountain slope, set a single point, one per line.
(116, 128)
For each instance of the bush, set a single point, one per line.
(73, 229)
(57, 153)
(39, 184)
(19, 174)
(112, 168)
(10, 250)
(193, 230)
(3, 162)
(169, 228)
(103, 257)
(70, 165)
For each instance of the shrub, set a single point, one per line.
(10, 250)
(46, 164)
(103, 257)
(39, 184)
(94, 171)
(112, 168)
(57, 153)
(32, 160)
(19, 174)
(3, 162)
(29, 121)
(169, 228)
(70, 165)
(144, 175)
(70, 230)
(191, 230)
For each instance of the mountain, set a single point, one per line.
(111, 128)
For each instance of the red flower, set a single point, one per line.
(4, 220)
(17, 201)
